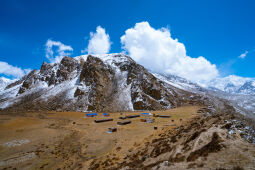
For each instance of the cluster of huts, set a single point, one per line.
(145, 118)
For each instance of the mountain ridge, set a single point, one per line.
(110, 82)
(113, 82)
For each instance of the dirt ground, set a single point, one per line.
(69, 140)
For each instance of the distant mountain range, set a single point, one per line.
(233, 84)
(238, 91)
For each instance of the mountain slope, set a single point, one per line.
(235, 91)
(111, 82)
(180, 82)
(201, 143)
(5, 82)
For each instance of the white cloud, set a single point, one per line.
(57, 55)
(10, 70)
(157, 50)
(99, 42)
(243, 55)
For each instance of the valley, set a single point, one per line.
(43, 121)
(127, 85)
(70, 140)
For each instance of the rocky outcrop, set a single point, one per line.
(28, 82)
(206, 142)
(100, 79)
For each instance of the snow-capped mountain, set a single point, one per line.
(112, 82)
(233, 84)
(94, 83)
(5, 82)
(247, 88)
(179, 82)
(238, 91)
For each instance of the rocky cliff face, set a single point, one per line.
(112, 82)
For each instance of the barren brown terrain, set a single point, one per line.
(69, 140)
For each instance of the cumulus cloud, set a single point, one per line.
(158, 51)
(99, 42)
(61, 51)
(10, 70)
(243, 55)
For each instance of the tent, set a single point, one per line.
(146, 114)
(91, 114)
(106, 114)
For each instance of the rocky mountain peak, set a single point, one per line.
(247, 88)
(110, 82)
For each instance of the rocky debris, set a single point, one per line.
(203, 142)
(18, 159)
(242, 127)
(16, 143)
(213, 146)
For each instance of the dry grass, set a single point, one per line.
(62, 139)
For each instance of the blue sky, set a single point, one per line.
(218, 30)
